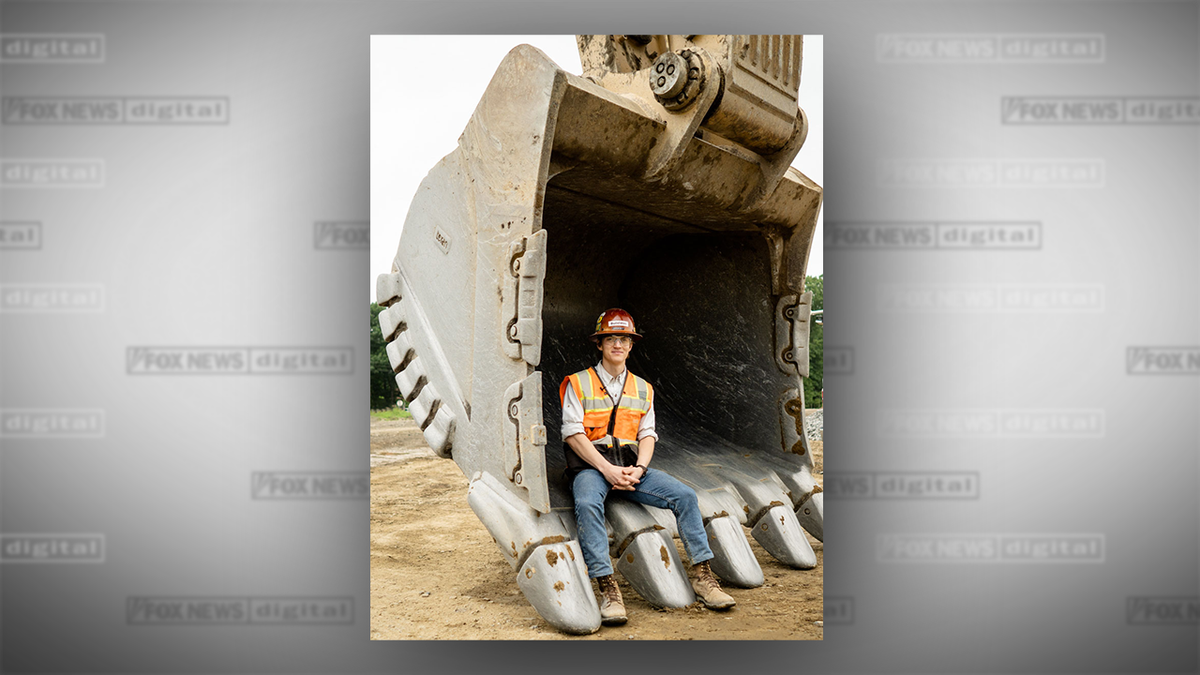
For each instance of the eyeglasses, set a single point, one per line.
(618, 340)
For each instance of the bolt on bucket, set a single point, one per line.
(659, 182)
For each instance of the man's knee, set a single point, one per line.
(686, 493)
(681, 492)
(589, 493)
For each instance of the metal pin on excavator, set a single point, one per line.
(659, 182)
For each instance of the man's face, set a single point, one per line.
(616, 348)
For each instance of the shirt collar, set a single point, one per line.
(609, 379)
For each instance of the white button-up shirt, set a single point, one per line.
(572, 409)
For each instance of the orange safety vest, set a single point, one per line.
(636, 400)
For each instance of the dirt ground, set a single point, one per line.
(436, 574)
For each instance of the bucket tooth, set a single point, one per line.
(514, 525)
(774, 526)
(411, 380)
(400, 352)
(627, 519)
(724, 513)
(440, 432)
(665, 520)
(646, 555)
(811, 514)
(733, 559)
(726, 501)
(780, 534)
(555, 581)
(550, 568)
(652, 566)
(803, 489)
(424, 406)
(387, 289)
(392, 321)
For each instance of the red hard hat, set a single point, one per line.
(615, 322)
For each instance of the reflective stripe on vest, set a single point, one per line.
(636, 399)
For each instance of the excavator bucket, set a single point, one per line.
(659, 182)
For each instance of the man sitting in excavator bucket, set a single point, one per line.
(608, 438)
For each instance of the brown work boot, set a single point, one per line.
(709, 589)
(612, 607)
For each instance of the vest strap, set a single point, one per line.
(612, 417)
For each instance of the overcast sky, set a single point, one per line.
(425, 87)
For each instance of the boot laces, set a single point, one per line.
(611, 591)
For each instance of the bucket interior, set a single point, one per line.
(701, 297)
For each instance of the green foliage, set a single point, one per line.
(384, 391)
(393, 413)
(816, 345)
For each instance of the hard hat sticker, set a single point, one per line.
(618, 323)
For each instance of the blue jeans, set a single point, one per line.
(655, 489)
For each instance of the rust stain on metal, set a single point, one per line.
(571, 553)
(558, 586)
(781, 521)
(552, 558)
(528, 572)
(629, 557)
(746, 509)
(558, 538)
(666, 557)
(774, 504)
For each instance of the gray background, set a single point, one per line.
(203, 236)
